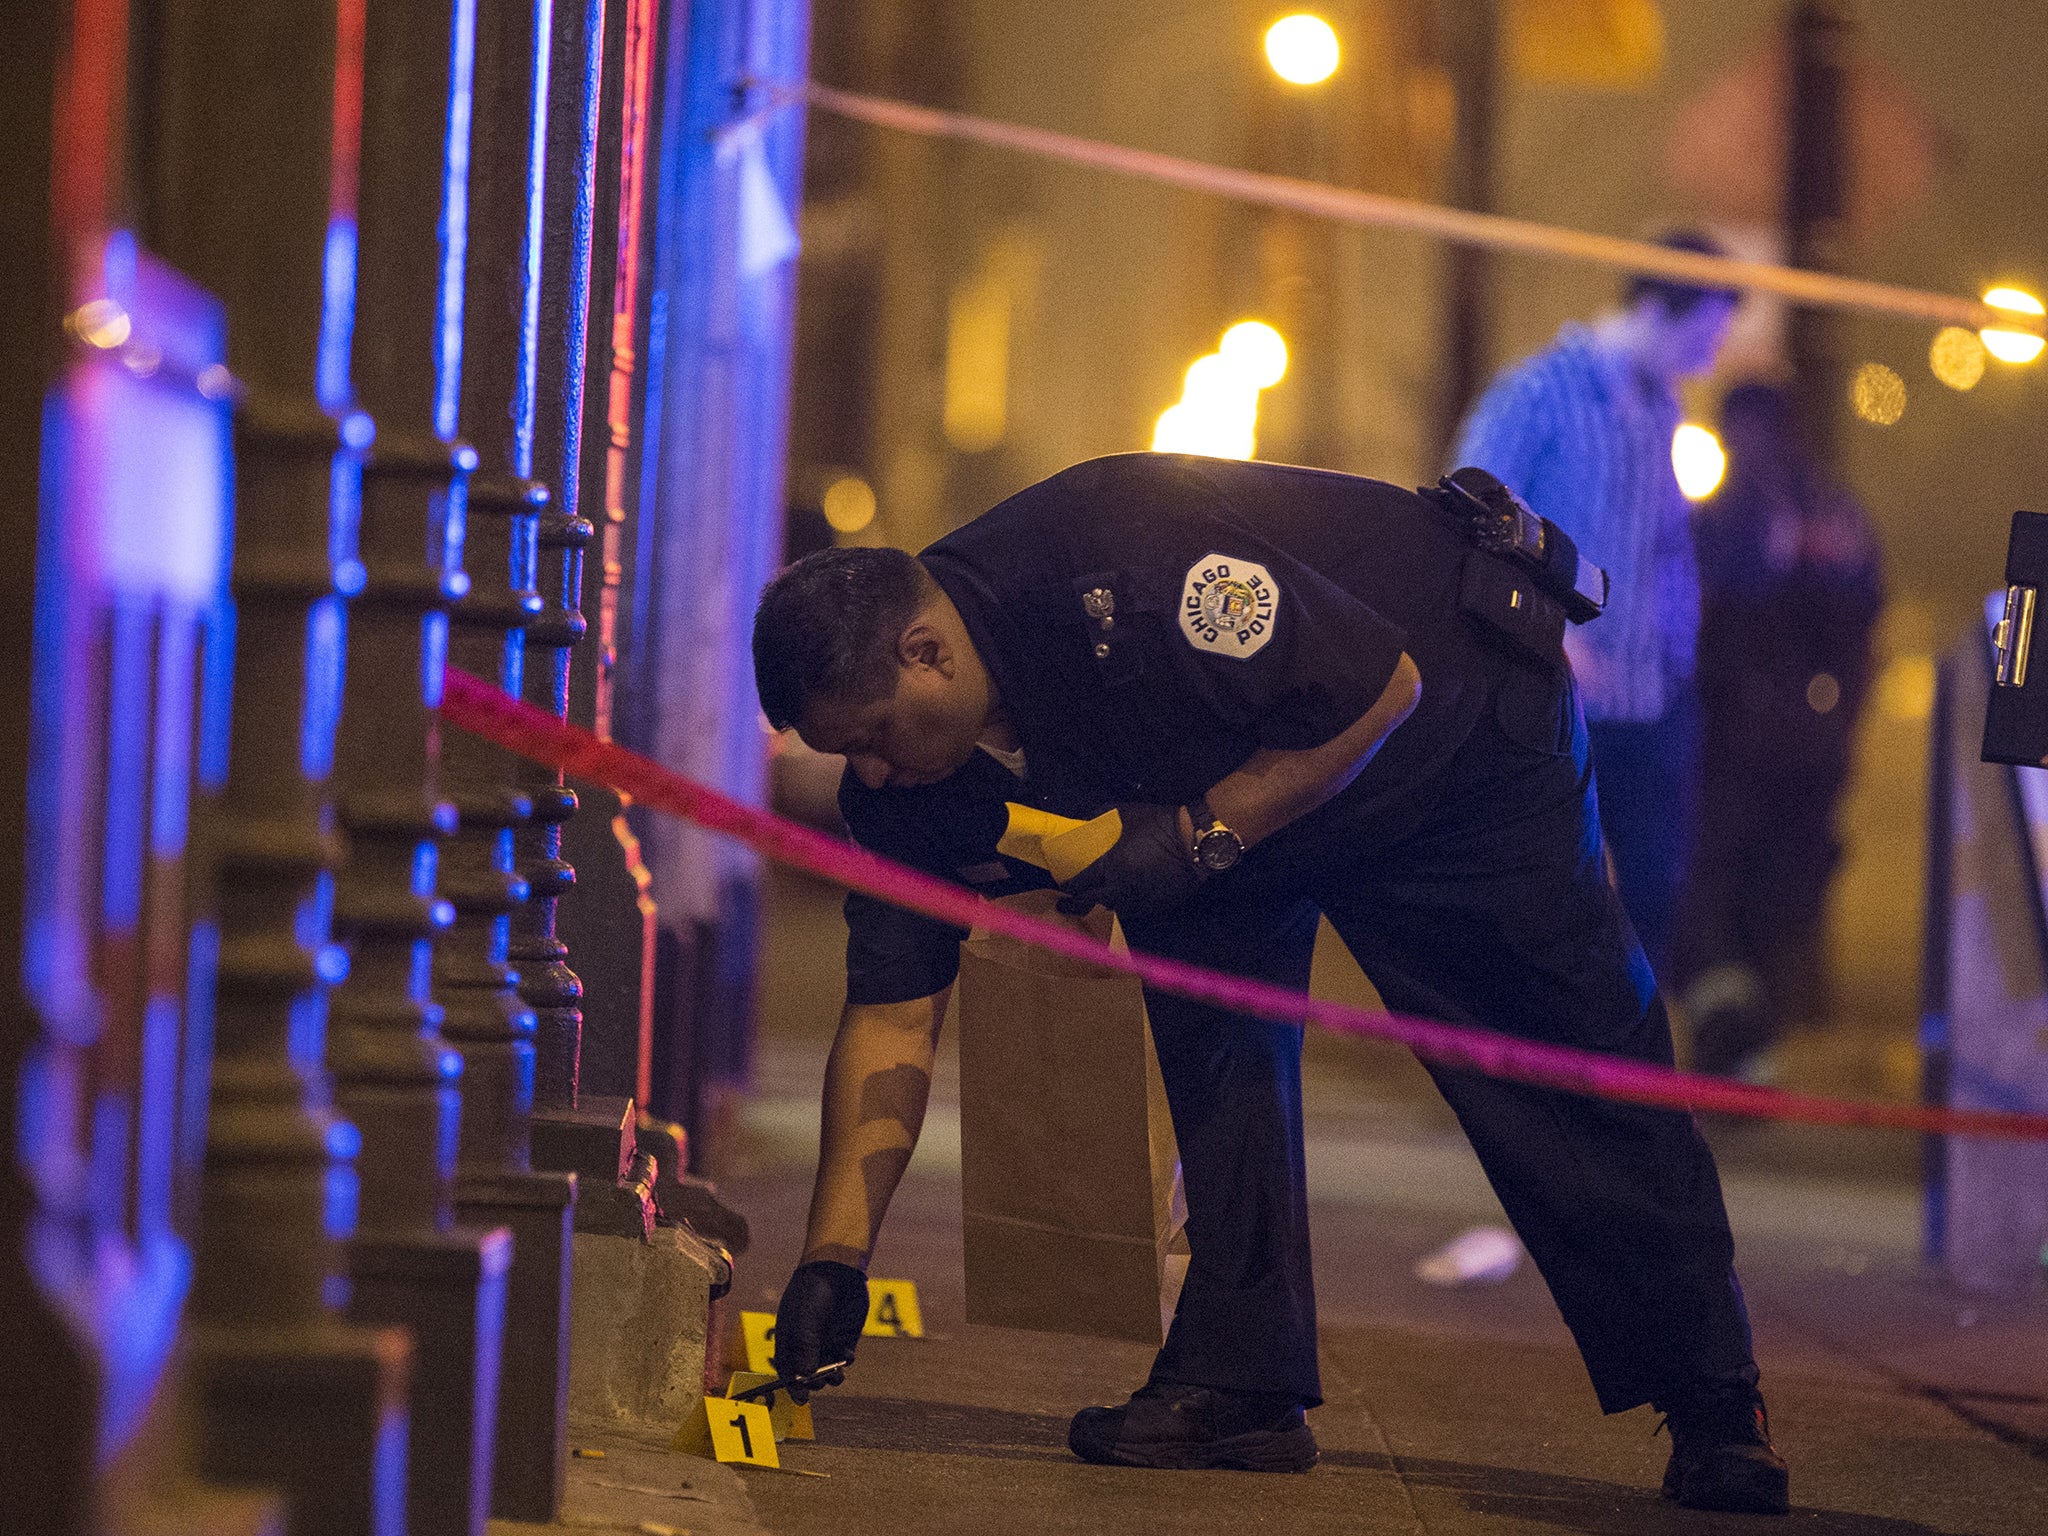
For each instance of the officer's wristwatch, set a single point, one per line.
(1217, 848)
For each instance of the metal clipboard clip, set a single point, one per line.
(2012, 638)
(2016, 703)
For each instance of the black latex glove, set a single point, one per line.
(1150, 869)
(823, 1309)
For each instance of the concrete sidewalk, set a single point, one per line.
(1447, 1411)
(1905, 1409)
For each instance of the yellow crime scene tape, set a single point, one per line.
(1346, 205)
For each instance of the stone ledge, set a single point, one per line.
(637, 1329)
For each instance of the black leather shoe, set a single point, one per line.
(1185, 1428)
(1722, 1456)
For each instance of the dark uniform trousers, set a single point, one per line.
(1496, 911)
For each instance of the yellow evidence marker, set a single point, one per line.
(790, 1420)
(892, 1311)
(723, 1430)
(757, 1330)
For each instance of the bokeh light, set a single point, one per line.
(1302, 49)
(2013, 346)
(1175, 431)
(1698, 459)
(1218, 411)
(1905, 689)
(1877, 394)
(1956, 357)
(1257, 351)
(849, 504)
(101, 323)
(1208, 427)
(1211, 379)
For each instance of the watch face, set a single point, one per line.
(1218, 850)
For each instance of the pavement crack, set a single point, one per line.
(1354, 1396)
(1964, 1404)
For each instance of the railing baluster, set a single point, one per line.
(394, 1075)
(256, 203)
(517, 43)
(610, 922)
(547, 983)
(50, 1424)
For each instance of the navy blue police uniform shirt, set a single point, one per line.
(1249, 606)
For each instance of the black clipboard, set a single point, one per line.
(2016, 714)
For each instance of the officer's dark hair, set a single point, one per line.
(1679, 299)
(827, 628)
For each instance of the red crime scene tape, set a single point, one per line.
(483, 710)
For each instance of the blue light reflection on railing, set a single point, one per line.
(337, 315)
(326, 643)
(311, 925)
(343, 1195)
(156, 1129)
(640, 612)
(433, 657)
(137, 1333)
(454, 221)
(576, 302)
(195, 1072)
(177, 706)
(525, 551)
(123, 793)
(119, 262)
(216, 704)
(529, 312)
(56, 970)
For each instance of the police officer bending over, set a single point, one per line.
(1304, 692)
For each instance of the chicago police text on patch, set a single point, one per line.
(1227, 605)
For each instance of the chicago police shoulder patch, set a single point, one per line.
(1227, 606)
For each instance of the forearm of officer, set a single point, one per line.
(878, 1081)
(1273, 787)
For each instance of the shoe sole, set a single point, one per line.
(1738, 1487)
(1291, 1450)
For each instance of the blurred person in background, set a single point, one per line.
(1582, 431)
(1791, 584)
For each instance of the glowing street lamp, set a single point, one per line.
(1302, 49)
(2013, 346)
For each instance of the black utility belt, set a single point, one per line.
(1524, 579)
(1502, 599)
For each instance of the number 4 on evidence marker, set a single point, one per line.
(893, 1311)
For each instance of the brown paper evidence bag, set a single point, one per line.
(1070, 1179)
